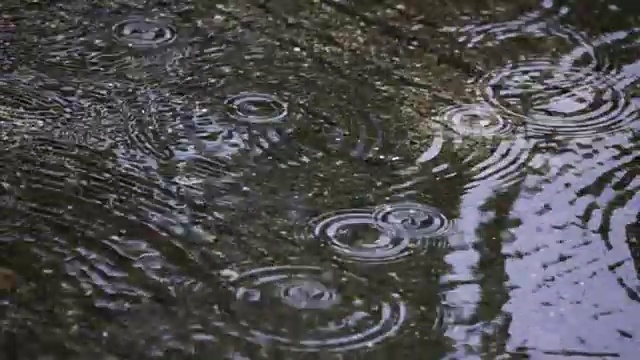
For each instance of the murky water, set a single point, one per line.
(328, 179)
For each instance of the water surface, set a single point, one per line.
(268, 179)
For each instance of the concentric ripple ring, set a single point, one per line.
(554, 99)
(475, 120)
(354, 236)
(385, 234)
(306, 294)
(418, 221)
(144, 33)
(256, 108)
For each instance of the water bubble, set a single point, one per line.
(144, 33)
(553, 99)
(299, 308)
(256, 108)
(476, 120)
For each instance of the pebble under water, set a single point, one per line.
(322, 180)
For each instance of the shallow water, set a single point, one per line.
(268, 179)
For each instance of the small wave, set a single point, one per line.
(25, 107)
(321, 312)
(76, 213)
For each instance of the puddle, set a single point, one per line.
(331, 179)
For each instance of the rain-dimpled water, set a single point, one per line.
(319, 180)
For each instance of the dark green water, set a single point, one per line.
(319, 180)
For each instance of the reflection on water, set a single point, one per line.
(559, 101)
(278, 180)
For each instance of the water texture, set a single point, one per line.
(319, 180)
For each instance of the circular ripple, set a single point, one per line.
(134, 48)
(476, 120)
(318, 318)
(418, 221)
(494, 156)
(256, 108)
(353, 234)
(541, 34)
(167, 127)
(144, 33)
(553, 99)
(379, 235)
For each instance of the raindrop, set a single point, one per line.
(418, 221)
(476, 120)
(144, 33)
(318, 317)
(256, 108)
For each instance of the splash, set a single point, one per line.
(300, 308)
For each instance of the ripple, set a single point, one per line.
(154, 123)
(79, 206)
(256, 108)
(541, 34)
(476, 120)
(165, 127)
(552, 99)
(417, 220)
(144, 33)
(133, 48)
(280, 303)
(496, 156)
(168, 127)
(25, 107)
(384, 234)
(353, 235)
(361, 135)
